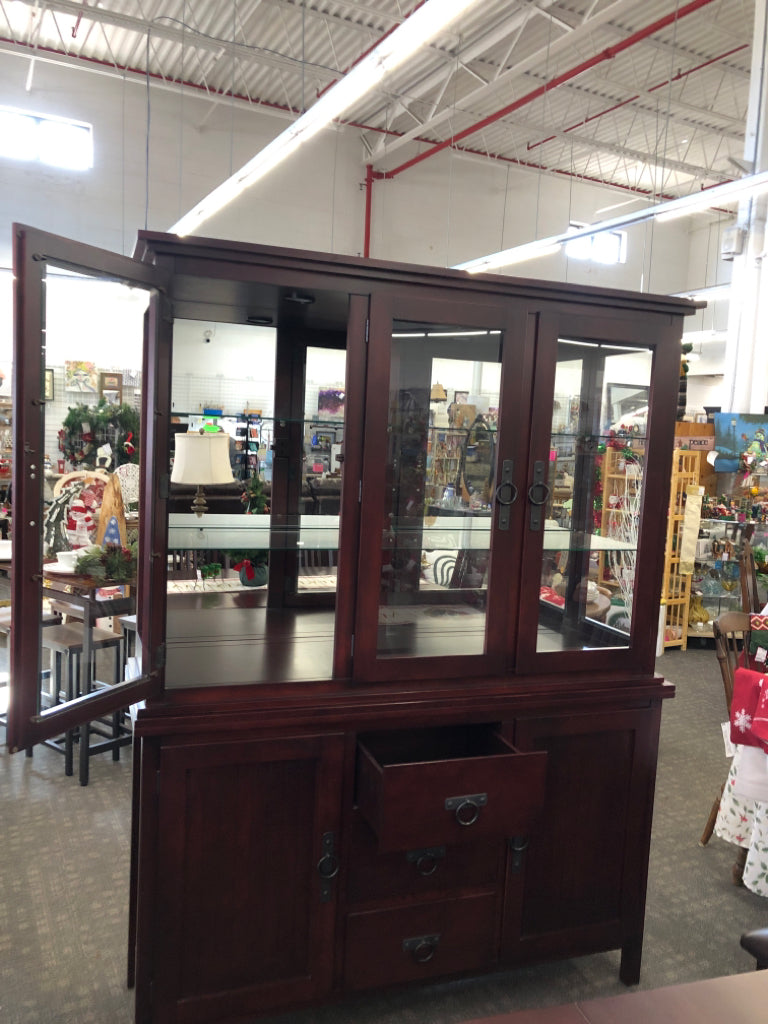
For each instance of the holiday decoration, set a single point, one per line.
(87, 428)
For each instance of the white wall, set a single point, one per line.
(446, 210)
(453, 208)
(314, 204)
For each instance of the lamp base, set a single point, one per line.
(199, 504)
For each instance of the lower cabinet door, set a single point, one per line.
(247, 836)
(585, 869)
(426, 940)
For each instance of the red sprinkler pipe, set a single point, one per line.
(368, 202)
(554, 83)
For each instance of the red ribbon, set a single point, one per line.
(249, 571)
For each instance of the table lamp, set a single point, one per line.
(202, 459)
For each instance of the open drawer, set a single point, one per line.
(446, 785)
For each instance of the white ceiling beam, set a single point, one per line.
(443, 76)
(168, 33)
(139, 79)
(533, 62)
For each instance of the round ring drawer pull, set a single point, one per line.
(426, 860)
(466, 809)
(421, 947)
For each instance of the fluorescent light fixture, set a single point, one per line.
(520, 254)
(703, 337)
(729, 191)
(712, 293)
(627, 202)
(417, 29)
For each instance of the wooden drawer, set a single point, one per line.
(451, 785)
(423, 941)
(420, 873)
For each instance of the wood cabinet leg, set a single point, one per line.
(631, 956)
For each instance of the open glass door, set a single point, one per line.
(83, 631)
(438, 504)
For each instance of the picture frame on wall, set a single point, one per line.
(48, 392)
(111, 388)
(80, 375)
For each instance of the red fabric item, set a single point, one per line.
(249, 571)
(760, 718)
(749, 705)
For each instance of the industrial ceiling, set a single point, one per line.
(648, 97)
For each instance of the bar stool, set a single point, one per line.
(65, 640)
(6, 622)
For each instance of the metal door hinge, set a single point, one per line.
(327, 866)
(517, 846)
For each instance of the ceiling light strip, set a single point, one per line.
(421, 26)
(729, 191)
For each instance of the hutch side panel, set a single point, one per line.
(244, 918)
(586, 866)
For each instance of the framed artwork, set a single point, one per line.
(48, 393)
(80, 375)
(330, 404)
(111, 388)
(740, 442)
(460, 397)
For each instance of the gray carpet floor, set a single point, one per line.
(64, 881)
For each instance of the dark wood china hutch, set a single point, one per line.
(427, 745)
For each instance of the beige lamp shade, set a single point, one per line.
(437, 394)
(202, 459)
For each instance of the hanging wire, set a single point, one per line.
(333, 188)
(122, 166)
(540, 175)
(660, 159)
(232, 90)
(146, 141)
(181, 110)
(504, 209)
(452, 153)
(303, 54)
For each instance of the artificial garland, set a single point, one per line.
(253, 496)
(252, 565)
(110, 564)
(87, 427)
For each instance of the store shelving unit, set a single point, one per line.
(676, 586)
(622, 479)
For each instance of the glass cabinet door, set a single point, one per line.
(254, 591)
(82, 463)
(438, 498)
(585, 491)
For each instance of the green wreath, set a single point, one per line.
(119, 425)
